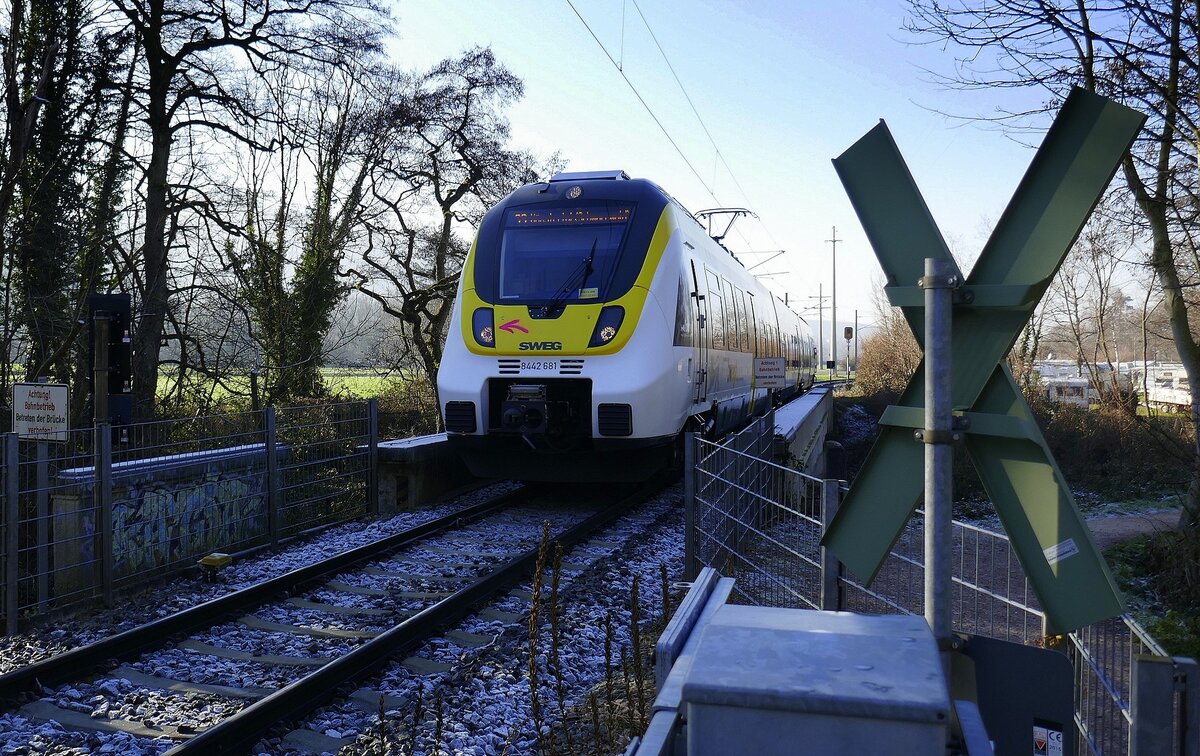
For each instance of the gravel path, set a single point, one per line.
(1113, 529)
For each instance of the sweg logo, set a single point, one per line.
(543, 346)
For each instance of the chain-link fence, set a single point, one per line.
(755, 520)
(323, 468)
(109, 508)
(761, 523)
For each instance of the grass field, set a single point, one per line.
(358, 383)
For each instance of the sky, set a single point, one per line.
(780, 88)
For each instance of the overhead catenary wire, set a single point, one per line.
(662, 127)
(645, 105)
(716, 150)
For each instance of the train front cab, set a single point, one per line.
(559, 364)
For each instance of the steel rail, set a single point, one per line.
(242, 730)
(75, 663)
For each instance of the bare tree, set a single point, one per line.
(337, 127)
(61, 69)
(1140, 52)
(1087, 309)
(1025, 352)
(459, 163)
(191, 51)
(890, 355)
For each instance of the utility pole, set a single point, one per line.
(855, 339)
(833, 305)
(820, 325)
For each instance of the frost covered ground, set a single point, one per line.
(485, 700)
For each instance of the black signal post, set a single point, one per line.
(100, 328)
(112, 361)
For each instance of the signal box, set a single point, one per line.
(117, 309)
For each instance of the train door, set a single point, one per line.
(700, 342)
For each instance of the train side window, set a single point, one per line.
(751, 324)
(740, 305)
(716, 311)
(737, 338)
(684, 315)
(731, 317)
(739, 308)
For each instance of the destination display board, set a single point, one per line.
(41, 411)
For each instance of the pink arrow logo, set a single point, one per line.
(514, 325)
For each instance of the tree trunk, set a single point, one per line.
(1162, 260)
(151, 317)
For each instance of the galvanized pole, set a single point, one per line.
(43, 523)
(102, 492)
(12, 462)
(689, 506)
(833, 306)
(820, 328)
(1165, 694)
(373, 456)
(938, 435)
(43, 518)
(856, 339)
(831, 589)
(272, 475)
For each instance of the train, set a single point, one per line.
(596, 321)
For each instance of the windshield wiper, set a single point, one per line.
(569, 286)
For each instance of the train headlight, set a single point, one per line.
(607, 325)
(483, 327)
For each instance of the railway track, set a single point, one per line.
(834, 383)
(285, 646)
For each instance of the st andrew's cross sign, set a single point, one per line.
(1064, 182)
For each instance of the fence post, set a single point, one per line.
(43, 523)
(272, 475)
(12, 461)
(102, 498)
(690, 569)
(373, 456)
(772, 478)
(737, 474)
(726, 510)
(1190, 705)
(831, 589)
(1152, 727)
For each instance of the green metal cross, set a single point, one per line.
(1063, 184)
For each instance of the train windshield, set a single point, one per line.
(562, 253)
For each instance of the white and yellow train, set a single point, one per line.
(596, 321)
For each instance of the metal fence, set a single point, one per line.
(108, 509)
(753, 519)
(761, 523)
